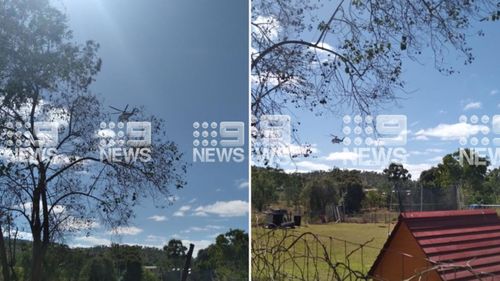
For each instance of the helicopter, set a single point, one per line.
(336, 139)
(124, 114)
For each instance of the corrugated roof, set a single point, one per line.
(465, 238)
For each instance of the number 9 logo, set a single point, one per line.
(232, 134)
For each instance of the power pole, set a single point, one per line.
(187, 265)
(421, 197)
(400, 199)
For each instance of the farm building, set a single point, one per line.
(441, 245)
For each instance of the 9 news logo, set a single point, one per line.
(21, 143)
(480, 140)
(218, 142)
(375, 141)
(125, 142)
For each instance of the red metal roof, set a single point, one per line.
(465, 238)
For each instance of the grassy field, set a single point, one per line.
(333, 237)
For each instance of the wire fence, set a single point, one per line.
(290, 255)
(280, 255)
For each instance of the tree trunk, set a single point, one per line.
(3, 257)
(37, 262)
(37, 251)
(40, 231)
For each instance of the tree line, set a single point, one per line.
(226, 259)
(451, 184)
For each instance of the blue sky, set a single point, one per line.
(184, 61)
(433, 105)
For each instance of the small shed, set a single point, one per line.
(277, 217)
(442, 245)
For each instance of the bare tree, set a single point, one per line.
(73, 184)
(353, 57)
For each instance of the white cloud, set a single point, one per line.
(235, 208)
(156, 238)
(416, 169)
(202, 229)
(308, 166)
(434, 150)
(153, 241)
(182, 211)
(322, 54)
(436, 159)
(63, 217)
(156, 241)
(158, 218)
(73, 223)
(401, 138)
(160, 241)
(20, 235)
(421, 137)
(324, 45)
(450, 131)
(193, 229)
(213, 236)
(211, 226)
(242, 183)
(426, 151)
(90, 241)
(494, 92)
(293, 171)
(294, 149)
(125, 230)
(311, 166)
(344, 156)
(266, 26)
(472, 105)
